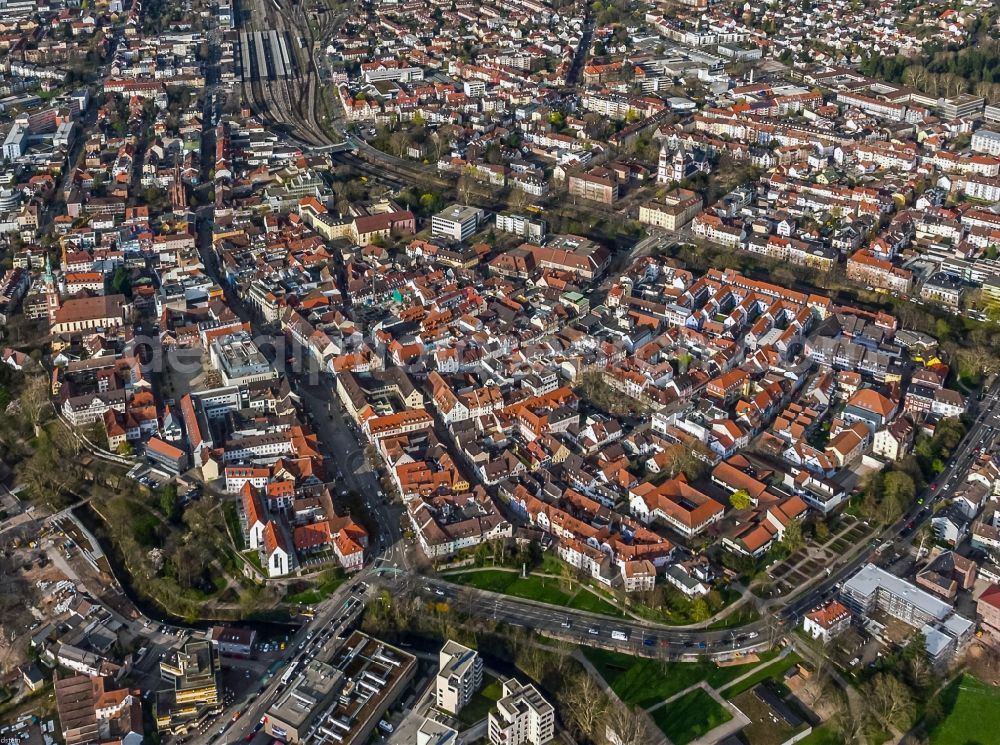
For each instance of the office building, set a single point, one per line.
(239, 360)
(15, 143)
(192, 674)
(343, 700)
(457, 222)
(292, 715)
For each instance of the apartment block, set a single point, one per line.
(522, 716)
(873, 592)
(597, 185)
(460, 676)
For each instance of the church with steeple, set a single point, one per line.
(681, 165)
(53, 301)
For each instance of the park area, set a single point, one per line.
(972, 714)
(553, 590)
(686, 700)
(644, 682)
(690, 716)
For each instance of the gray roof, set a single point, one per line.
(870, 578)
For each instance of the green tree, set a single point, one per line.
(822, 530)
(169, 504)
(700, 610)
(121, 282)
(792, 539)
(740, 500)
(942, 330)
(898, 486)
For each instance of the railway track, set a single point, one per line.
(279, 91)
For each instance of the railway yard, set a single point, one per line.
(280, 79)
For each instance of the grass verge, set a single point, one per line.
(645, 682)
(690, 716)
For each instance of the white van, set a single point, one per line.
(619, 635)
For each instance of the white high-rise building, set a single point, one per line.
(522, 716)
(460, 676)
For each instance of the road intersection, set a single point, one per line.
(387, 565)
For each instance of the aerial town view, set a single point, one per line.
(439, 372)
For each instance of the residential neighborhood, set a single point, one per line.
(438, 372)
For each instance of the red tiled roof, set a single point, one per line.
(306, 537)
(251, 505)
(164, 448)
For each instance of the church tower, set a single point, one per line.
(52, 299)
(663, 167)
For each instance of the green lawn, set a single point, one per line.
(645, 682)
(972, 713)
(690, 717)
(739, 617)
(493, 580)
(542, 589)
(254, 558)
(773, 671)
(482, 702)
(533, 587)
(822, 736)
(315, 594)
(588, 601)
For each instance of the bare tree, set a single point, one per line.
(850, 720)
(629, 725)
(891, 701)
(586, 704)
(35, 400)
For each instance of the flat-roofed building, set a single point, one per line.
(310, 692)
(342, 701)
(193, 676)
(460, 676)
(432, 732)
(873, 590)
(239, 360)
(457, 222)
(522, 716)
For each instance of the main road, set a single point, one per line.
(342, 444)
(387, 566)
